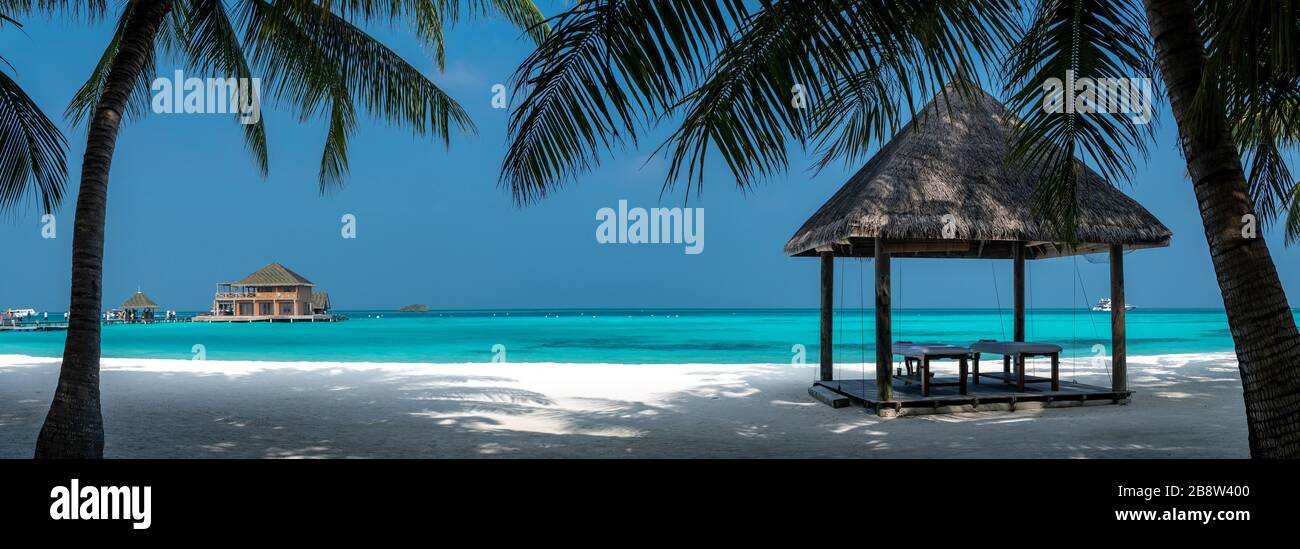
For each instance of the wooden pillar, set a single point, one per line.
(828, 316)
(1018, 289)
(884, 339)
(1119, 348)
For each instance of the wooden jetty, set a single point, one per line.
(56, 325)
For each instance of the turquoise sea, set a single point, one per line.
(629, 335)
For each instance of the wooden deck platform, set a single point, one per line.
(271, 318)
(989, 394)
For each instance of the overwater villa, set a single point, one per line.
(943, 188)
(272, 294)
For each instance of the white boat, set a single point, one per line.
(12, 319)
(1103, 305)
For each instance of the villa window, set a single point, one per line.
(286, 308)
(245, 309)
(264, 309)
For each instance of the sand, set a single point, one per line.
(1185, 406)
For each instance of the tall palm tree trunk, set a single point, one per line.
(74, 427)
(1263, 329)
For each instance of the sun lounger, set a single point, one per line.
(1017, 352)
(923, 353)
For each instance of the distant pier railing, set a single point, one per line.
(41, 325)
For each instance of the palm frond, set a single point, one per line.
(211, 43)
(523, 14)
(1253, 76)
(1095, 39)
(88, 10)
(611, 67)
(607, 67)
(31, 151)
(860, 66)
(83, 103)
(317, 63)
(429, 17)
(1292, 223)
(744, 107)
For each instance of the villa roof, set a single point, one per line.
(139, 301)
(320, 300)
(274, 274)
(952, 160)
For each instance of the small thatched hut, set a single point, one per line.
(944, 187)
(949, 168)
(139, 307)
(320, 303)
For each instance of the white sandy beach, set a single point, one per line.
(1185, 406)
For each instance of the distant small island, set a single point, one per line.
(414, 308)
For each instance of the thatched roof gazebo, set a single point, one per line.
(139, 302)
(943, 187)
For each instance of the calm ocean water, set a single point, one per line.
(630, 335)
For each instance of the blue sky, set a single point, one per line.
(187, 209)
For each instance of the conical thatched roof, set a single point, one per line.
(320, 300)
(274, 274)
(139, 301)
(953, 160)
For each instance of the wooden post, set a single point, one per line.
(961, 370)
(884, 338)
(1119, 348)
(1018, 289)
(925, 376)
(828, 316)
(1020, 372)
(1056, 371)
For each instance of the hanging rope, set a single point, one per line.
(1074, 316)
(998, 294)
(839, 336)
(1029, 298)
(862, 321)
(1092, 320)
(1034, 362)
(898, 318)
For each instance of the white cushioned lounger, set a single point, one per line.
(1014, 347)
(918, 350)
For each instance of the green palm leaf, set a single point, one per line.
(1253, 75)
(860, 66)
(607, 67)
(1096, 39)
(315, 62)
(83, 103)
(313, 59)
(32, 150)
(612, 67)
(211, 43)
(90, 10)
